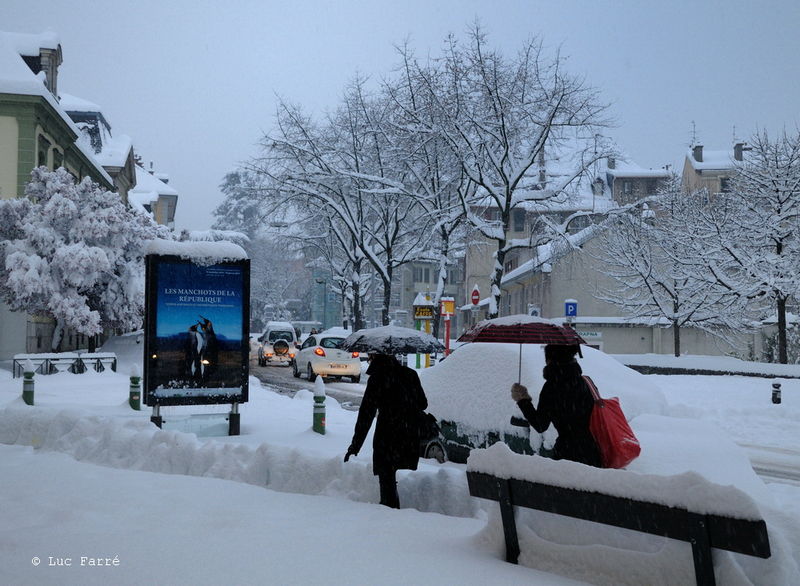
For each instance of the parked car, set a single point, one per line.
(469, 394)
(278, 344)
(320, 355)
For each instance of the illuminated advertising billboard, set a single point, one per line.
(196, 331)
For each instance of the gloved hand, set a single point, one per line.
(350, 452)
(519, 392)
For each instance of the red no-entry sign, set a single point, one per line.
(476, 296)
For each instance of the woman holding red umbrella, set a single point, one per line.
(566, 402)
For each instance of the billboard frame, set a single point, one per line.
(153, 262)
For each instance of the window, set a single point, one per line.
(331, 342)
(627, 187)
(58, 159)
(652, 186)
(422, 275)
(724, 184)
(42, 150)
(519, 220)
(276, 335)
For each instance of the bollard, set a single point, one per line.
(776, 393)
(319, 406)
(27, 382)
(135, 392)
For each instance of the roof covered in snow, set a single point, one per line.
(147, 189)
(29, 44)
(17, 78)
(109, 150)
(713, 159)
(547, 254)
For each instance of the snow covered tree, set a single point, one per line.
(645, 253)
(430, 173)
(748, 236)
(74, 253)
(344, 169)
(242, 209)
(502, 118)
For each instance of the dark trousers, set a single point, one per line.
(388, 485)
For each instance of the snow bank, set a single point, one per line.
(721, 364)
(472, 385)
(138, 445)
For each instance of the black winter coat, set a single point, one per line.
(565, 401)
(395, 393)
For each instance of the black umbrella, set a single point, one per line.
(391, 340)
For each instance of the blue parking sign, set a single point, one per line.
(571, 308)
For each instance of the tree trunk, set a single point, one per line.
(92, 343)
(783, 355)
(497, 277)
(676, 337)
(58, 336)
(387, 297)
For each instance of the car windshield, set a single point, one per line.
(331, 342)
(277, 335)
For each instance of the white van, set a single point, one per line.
(278, 344)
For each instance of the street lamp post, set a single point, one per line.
(324, 284)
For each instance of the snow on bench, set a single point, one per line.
(685, 507)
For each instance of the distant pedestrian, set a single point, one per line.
(565, 401)
(395, 393)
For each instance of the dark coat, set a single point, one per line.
(566, 402)
(395, 393)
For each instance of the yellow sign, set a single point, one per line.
(423, 312)
(448, 306)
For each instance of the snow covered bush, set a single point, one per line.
(74, 252)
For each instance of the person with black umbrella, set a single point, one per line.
(395, 393)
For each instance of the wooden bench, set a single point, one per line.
(703, 531)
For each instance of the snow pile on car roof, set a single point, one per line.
(472, 385)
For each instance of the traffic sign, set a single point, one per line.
(571, 308)
(476, 296)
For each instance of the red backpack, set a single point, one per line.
(615, 438)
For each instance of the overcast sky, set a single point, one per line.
(194, 82)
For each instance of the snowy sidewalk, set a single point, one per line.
(173, 529)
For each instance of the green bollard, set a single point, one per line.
(135, 394)
(27, 383)
(319, 406)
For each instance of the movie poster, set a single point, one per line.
(196, 324)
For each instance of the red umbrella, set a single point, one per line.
(522, 329)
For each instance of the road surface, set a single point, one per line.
(280, 379)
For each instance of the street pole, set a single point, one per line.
(324, 284)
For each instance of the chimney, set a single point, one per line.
(738, 151)
(697, 153)
(612, 163)
(49, 60)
